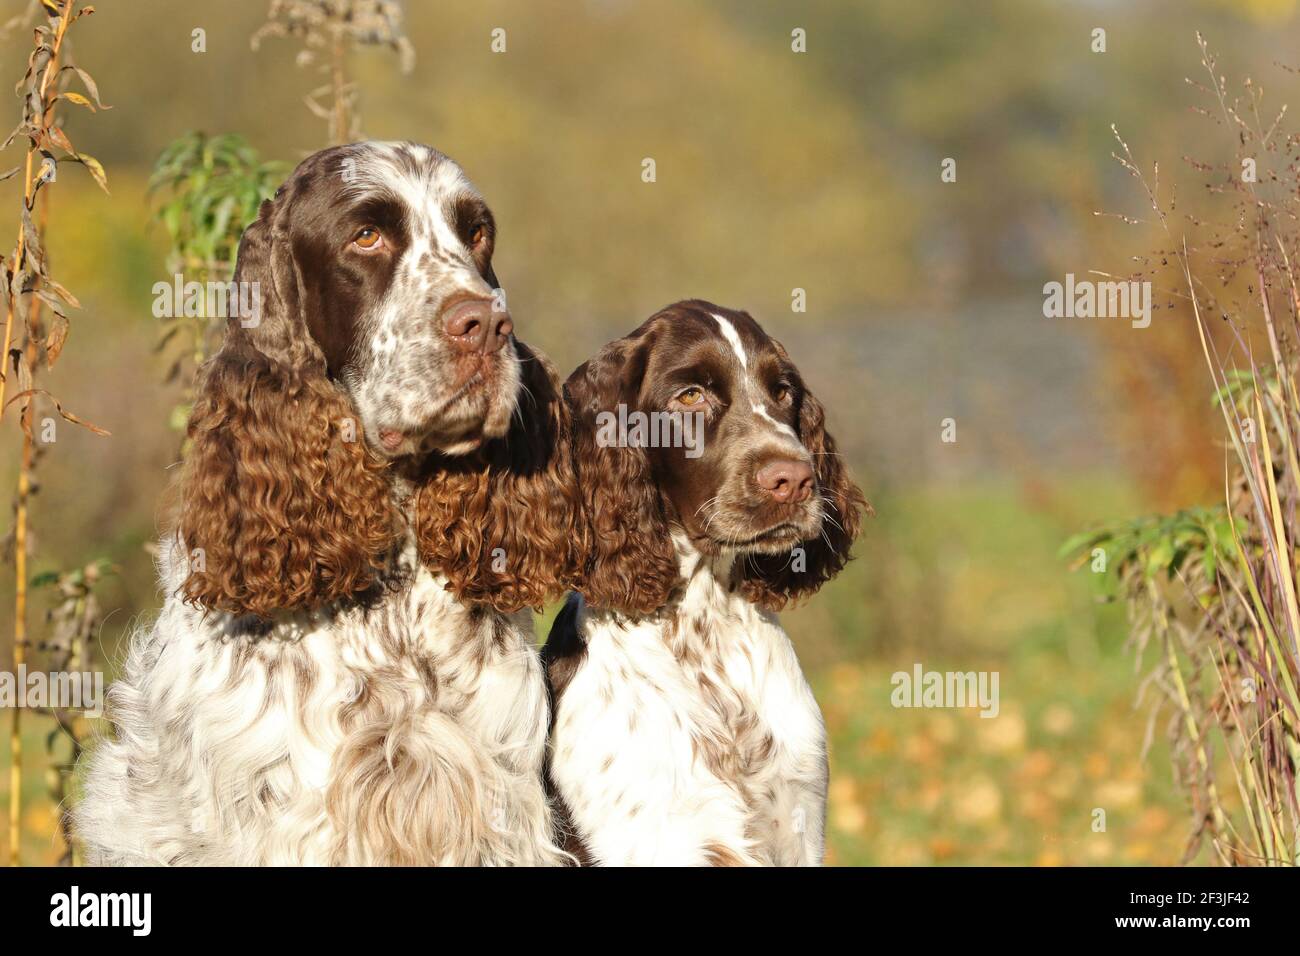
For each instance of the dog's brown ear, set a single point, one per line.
(281, 505)
(504, 526)
(774, 580)
(630, 565)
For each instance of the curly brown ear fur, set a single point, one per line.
(282, 506)
(630, 565)
(771, 580)
(503, 525)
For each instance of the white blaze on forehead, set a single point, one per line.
(733, 339)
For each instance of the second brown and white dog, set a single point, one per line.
(684, 731)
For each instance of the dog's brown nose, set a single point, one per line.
(789, 482)
(475, 326)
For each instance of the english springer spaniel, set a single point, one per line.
(684, 731)
(377, 487)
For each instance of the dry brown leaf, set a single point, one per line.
(67, 415)
(95, 168)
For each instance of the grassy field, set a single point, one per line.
(966, 579)
(913, 787)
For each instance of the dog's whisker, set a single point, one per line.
(707, 503)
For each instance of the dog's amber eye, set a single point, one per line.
(782, 393)
(478, 235)
(368, 238)
(692, 396)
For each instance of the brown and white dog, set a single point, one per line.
(376, 490)
(684, 731)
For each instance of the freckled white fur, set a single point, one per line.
(403, 331)
(223, 755)
(625, 755)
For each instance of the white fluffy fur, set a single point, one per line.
(652, 702)
(414, 735)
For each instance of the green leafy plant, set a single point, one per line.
(207, 189)
(1188, 544)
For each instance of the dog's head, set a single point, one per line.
(385, 253)
(378, 339)
(698, 423)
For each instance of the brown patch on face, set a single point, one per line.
(342, 286)
(477, 228)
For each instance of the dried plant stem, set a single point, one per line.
(20, 554)
(1194, 732)
(76, 657)
(20, 645)
(340, 124)
(1238, 563)
(10, 299)
(20, 610)
(51, 69)
(328, 30)
(25, 467)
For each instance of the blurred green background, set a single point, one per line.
(775, 171)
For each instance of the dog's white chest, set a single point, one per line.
(298, 746)
(694, 741)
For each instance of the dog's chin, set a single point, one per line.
(778, 538)
(473, 419)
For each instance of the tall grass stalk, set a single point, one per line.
(1215, 590)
